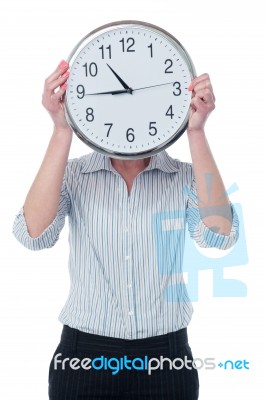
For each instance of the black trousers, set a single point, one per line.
(85, 366)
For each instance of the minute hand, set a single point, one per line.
(110, 92)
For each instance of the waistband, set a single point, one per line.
(77, 339)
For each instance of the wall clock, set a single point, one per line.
(127, 94)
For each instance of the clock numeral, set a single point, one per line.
(153, 133)
(177, 88)
(130, 136)
(89, 114)
(93, 69)
(169, 112)
(107, 48)
(129, 40)
(150, 47)
(110, 126)
(80, 91)
(167, 69)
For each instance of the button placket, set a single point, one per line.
(129, 271)
(132, 214)
(126, 253)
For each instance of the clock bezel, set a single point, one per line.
(106, 28)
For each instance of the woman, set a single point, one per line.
(126, 222)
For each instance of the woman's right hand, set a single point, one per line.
(53, 95)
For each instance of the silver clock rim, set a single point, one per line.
(106, 28)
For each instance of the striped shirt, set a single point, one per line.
(127, 249)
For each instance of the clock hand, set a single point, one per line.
(111, 92)
(129, 90)
(147, 87)
(121, 80)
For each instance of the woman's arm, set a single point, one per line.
(209, 184)
(42, 200)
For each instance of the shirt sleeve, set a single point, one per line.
(50, 235)
(203, 235)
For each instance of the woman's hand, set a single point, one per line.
(202, 103)
(53, 95)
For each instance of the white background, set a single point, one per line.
(224, 39)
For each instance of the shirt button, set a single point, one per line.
(129, 285)
(130, 313)
(128, 257)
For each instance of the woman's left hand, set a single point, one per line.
(202, 103)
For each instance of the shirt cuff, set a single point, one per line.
(47, 239)
(206, 237)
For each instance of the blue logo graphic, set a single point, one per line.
(177, 252)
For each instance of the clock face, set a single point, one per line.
(127, 91)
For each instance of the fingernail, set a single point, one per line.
(64, 86)
(190, 88)
(63, 64)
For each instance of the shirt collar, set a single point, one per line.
(96, 161)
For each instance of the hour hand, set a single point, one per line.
(123, 83)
